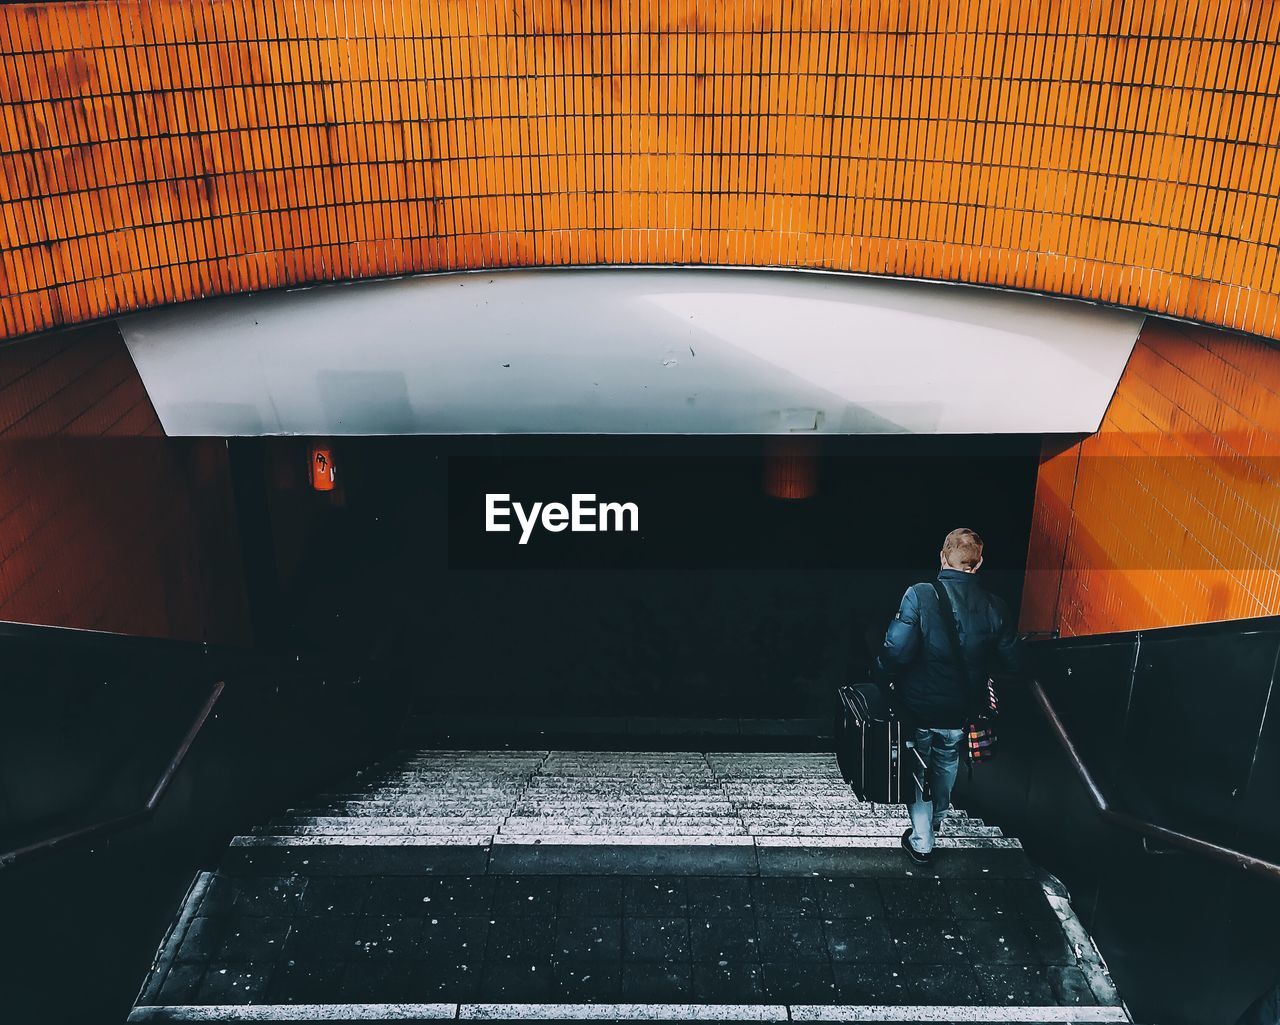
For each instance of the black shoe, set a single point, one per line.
(916, 856)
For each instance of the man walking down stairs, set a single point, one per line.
(518, 885)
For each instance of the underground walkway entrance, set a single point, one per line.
(525, 725)
(615, 795)
(745, 580)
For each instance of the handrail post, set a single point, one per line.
(112, 825)
(1216, 852)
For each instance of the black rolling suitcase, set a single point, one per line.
(870, 751)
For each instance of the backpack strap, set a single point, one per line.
(957, 649)
(949, 621)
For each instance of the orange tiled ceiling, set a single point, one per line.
(161, 151)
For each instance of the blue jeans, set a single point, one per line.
(940, 751)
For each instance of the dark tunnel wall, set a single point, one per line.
(727, 601)
(1178, 726)
(87, 724)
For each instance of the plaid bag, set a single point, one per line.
(980, 741)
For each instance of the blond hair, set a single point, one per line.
(962, 548)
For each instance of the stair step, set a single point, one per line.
(438, 800)
(375, 820)
(424, 825)
(649, 780)
(856, 829)
(964, 1014)
(534, 795)
(383, 820)
(416, 800)
(356, 828)
(623, 810)
(514, 827)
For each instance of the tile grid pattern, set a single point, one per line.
(1170, 513)
(653, 939)
(152, 152)
(94, 534)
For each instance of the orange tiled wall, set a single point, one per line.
(164, 150)
(1170, 514)
(105, 524)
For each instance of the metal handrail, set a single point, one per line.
(113, 825)
(1172, 837)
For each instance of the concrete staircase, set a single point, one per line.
(534, 797)
(586, 885)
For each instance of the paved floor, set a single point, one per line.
(633, 885)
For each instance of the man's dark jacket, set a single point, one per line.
(929, 688)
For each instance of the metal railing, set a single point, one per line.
(1214, 851)
(119, 822)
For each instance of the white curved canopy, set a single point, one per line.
(638, 350)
